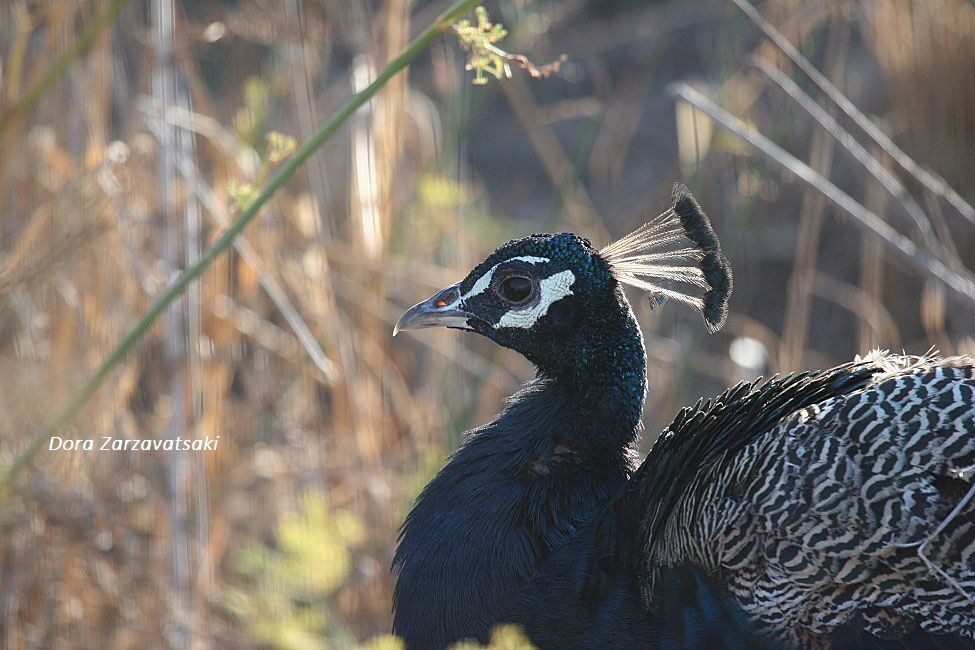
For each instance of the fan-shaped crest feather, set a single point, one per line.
(676, 255)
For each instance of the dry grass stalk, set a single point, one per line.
(960, 282)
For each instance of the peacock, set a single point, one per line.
(828, 508)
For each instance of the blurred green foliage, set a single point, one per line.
(283, 598)
(383, 642)
(277, 147)
(250, 120)
(504, 637)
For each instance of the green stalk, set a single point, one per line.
(285, 172)
(57, 69)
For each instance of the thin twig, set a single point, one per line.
(872, 279)
(932, 181)
(579, 207)
(167, 91)
(859, 303)
(799, 294)
(58, 68)
(179, 285)
(219, 213)
(922, 550)
(307, 111)
(798, 304)
(203, 125)
(959, 281)
(250, 323)
(886, 179)
(543, 71)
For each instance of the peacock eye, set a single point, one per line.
(516, 289)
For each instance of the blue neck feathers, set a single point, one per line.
(521, 487)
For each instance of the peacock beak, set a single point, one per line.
(443, 309)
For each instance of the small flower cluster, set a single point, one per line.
(478, 39)
(278, 147)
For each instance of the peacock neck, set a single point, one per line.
(521, 487)
(605, 375)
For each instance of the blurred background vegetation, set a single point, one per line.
(128, 165)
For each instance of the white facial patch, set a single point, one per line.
(484, 281)
(551, 289)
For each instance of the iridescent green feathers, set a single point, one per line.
(676, 255)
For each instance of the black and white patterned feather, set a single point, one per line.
(824, 502)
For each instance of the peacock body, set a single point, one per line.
(826, 508)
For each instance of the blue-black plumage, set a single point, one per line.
(799, 511)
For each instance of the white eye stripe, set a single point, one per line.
(484, 281)
(551, 289)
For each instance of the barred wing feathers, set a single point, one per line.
(824, 502)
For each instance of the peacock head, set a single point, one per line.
(545, 295)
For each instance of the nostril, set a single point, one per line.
(446, 298)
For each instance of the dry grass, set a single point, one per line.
(104, 195)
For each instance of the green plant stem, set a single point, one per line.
(285, 172)
(58, 68)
